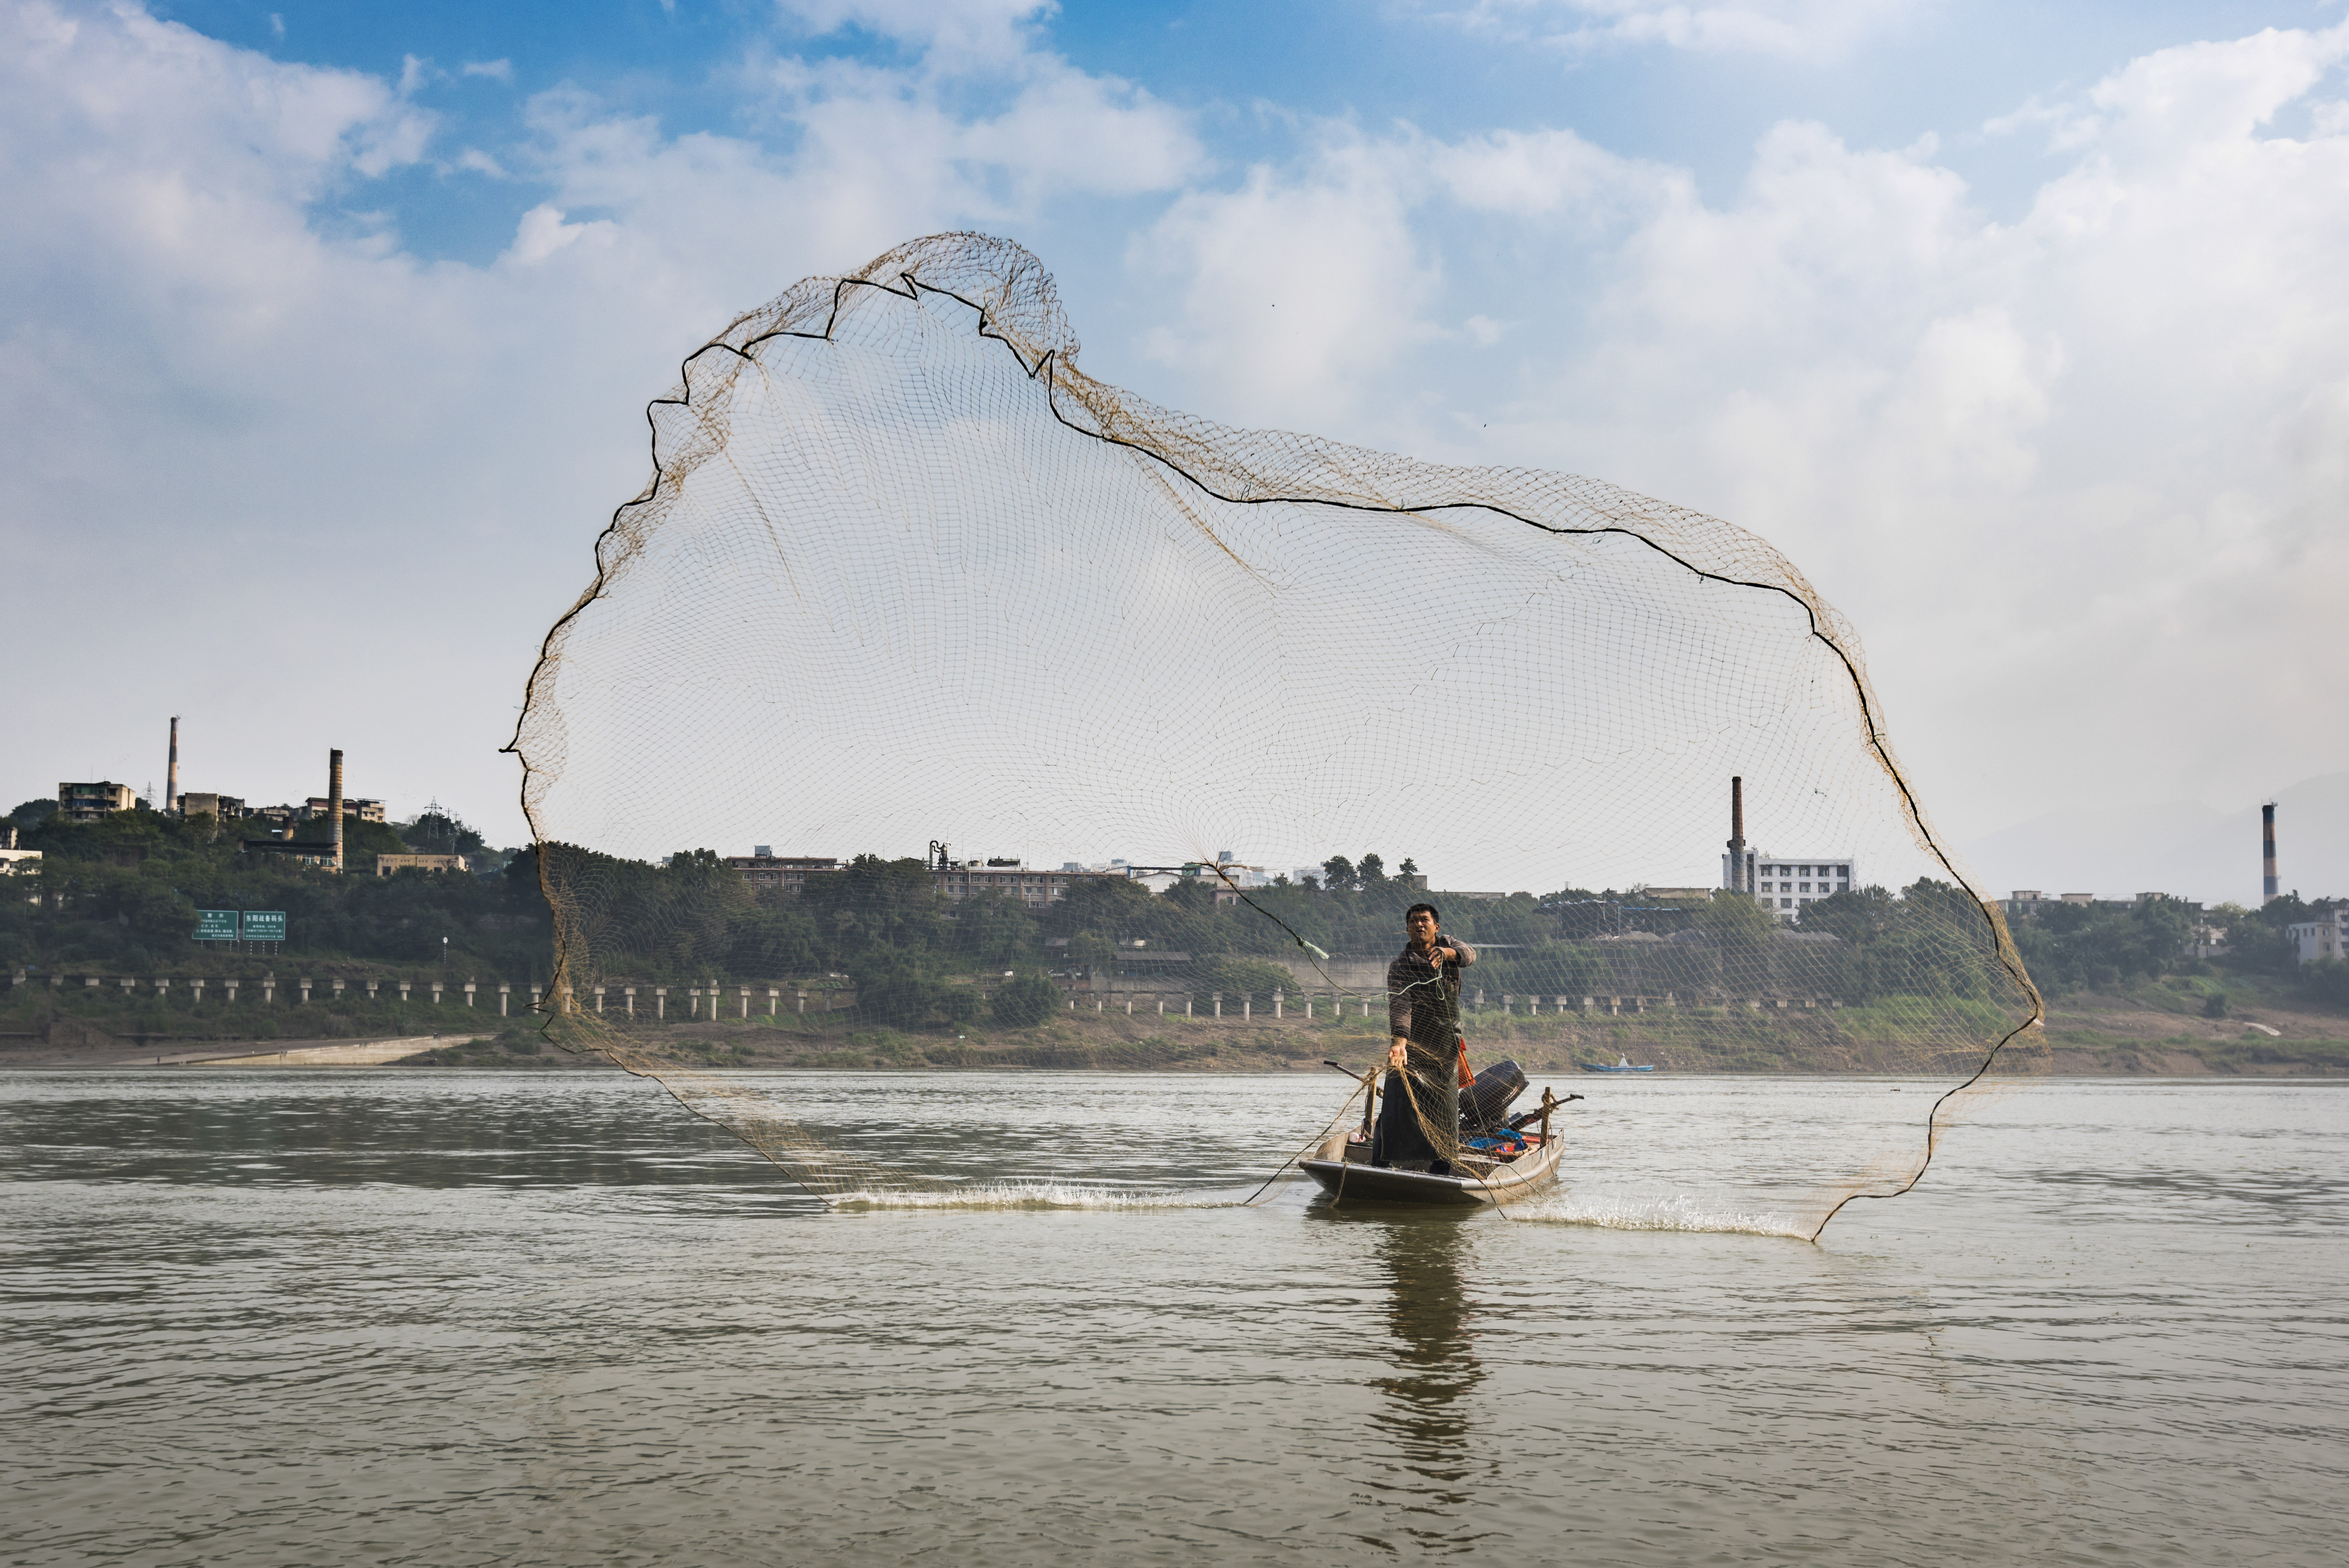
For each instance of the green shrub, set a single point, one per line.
(1025, 1002)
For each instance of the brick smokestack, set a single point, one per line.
(171, 775)
(2267, 853)
(1737, 836)
(335, 803)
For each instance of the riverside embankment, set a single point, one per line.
(2092, 1034)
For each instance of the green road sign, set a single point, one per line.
(265, 926)
(215, 925)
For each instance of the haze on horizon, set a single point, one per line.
(329, 338)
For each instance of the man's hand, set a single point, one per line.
(1399, 1054)
(1440, 956)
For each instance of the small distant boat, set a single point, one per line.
(1622, 1064)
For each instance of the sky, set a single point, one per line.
(325, 331)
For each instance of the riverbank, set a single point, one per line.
(2090, 1035)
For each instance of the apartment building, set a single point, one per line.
(1783, 884)
(2326, 936)
(765, 870)
(89, 802)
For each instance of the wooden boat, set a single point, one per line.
(1341, 1164)
(1622, 1064)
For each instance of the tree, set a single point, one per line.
(1337, 874)
(875, 904)
(1234, 978)
(1372, 875)
(33, 813)
(993, 929)
(440, 833)
(1091, 953)
(1025, 1002)
(773, 940)
(895, 988)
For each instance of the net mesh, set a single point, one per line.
(906, 576)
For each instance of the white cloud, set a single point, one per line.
(496, 71)
(1809, 30)
(259, 442)
(543, 232)
(2076, 475)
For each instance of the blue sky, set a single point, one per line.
(327, 329)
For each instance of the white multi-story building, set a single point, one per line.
(762, 868)
(2326, 936)
(1783, 884)
(1034, 887)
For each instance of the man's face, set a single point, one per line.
(1422, 926)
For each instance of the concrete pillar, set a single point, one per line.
(505, 994)
(746, 1001)
(231, 984)
(1480, 996)
(305, 993)
(436, 988)
(1587, 1004)
(89, 982)
(469, 993)
(371, 986)
(198, 986)
(660, 1002)
(403, 990)
(1248, 1006)
(163, 989)
(1366, 1006)
(534, 997)
(1187, 1007)
(129, 985)
(1277, 1002)
(268, 989)
(800, 1001)
(1129, 1006)
(774, 1000)
(338, 990)
(1308, 1009)
(1219, 1004)
(1504, 1004)
(1099, 1003)
(599, 999)
(628, 995)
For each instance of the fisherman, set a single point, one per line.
(1428, 1052)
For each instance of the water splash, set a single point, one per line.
(1033, 1194)
(1661, 1211)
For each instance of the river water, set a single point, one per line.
(394, 1316)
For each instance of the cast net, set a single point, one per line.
(936, 697)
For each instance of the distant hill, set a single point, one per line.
(2181, 846)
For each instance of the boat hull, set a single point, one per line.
(1352, 1181)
